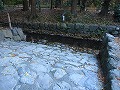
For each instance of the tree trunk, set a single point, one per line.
(57, 3)
(105, 7)
(3, 2)
(38, 4)
(117, 1)
(51, 7)
(25, 5)
(29, 3)
(74, 7)
(33, 9)
(78, 2)
(83, 2)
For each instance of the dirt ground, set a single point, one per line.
(48, 15)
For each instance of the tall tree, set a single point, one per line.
(29, 3)
(74, 7)
(38, 4)
(33, 8)
(105, 7)
(25, 5)
(78, 2)
(51, 7)
(57, 3)
(117, 1)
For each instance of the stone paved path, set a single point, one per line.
(31, 66)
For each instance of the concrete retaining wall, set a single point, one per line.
(68, 28)
(110, 62)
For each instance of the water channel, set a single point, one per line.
(47, 62)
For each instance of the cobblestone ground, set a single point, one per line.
(31, 66)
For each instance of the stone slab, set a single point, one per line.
(14, 31)
(16, 38)
(7, 33)
(20, 33)
(1, 36)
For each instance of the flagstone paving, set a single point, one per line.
(31, 66)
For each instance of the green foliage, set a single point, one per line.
(97, 3)
(1, 5)
(18, 2)
(67, 3)
(112, 4)
(13, 2)
(117, 13)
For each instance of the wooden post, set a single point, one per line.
(9, 21)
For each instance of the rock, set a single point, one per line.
(38, 50)
(16, 60)
(93, 27)
(29, 87)
(113, 62)
(115, 84)
(94, 86)
(111, 28)
(52, 27)
(115, 32)
(38, 68)
(76, 78)
(112, 58)
(17, 87)
(77, 26)
(27, 76)
(28, 48)
(72, 63)
(113, 47)
(115, 73)
(14, 32)
(92, 68)
(1, 36)
(79, 88)
(62, 86)
(9, 70)
(35, 26)
(16, 38)
(63, 25)
(21, 34)
(103, 27)
(46, 26)
(59, 73)
(7, 33)
(41, 26)
(5, 61)
(7, 82)
(71, 27)
(5, 51)
(24, 55)
(45, 81)
(110, 37)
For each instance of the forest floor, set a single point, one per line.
(54, 16)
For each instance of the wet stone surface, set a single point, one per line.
(31, 66)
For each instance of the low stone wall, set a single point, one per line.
(13, 34)
(68, 28)
(110, 62)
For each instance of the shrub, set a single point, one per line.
(117, 13)
(1, 5)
